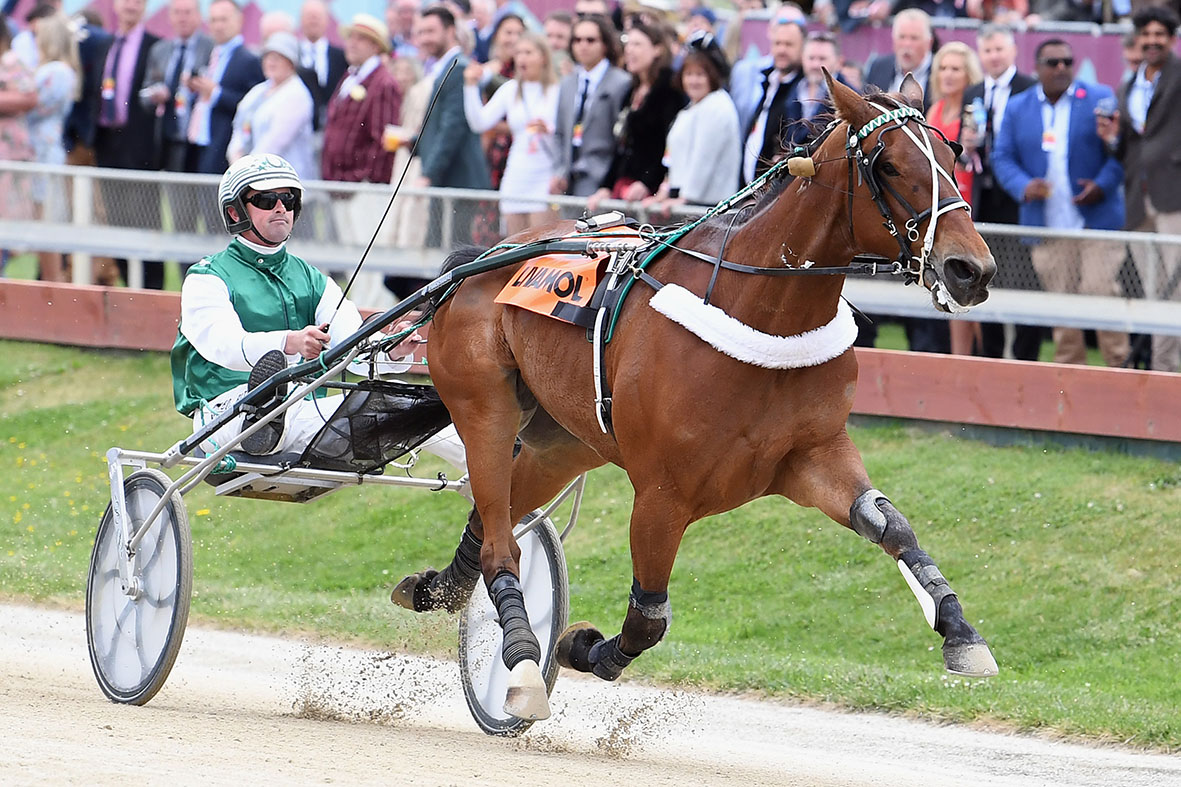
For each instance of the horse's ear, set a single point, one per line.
(851, 107)
(912, 91)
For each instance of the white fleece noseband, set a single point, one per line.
(742, 342)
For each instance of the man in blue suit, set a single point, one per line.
(1050, 159)
(220, 85)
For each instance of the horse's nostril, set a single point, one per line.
(961, 271)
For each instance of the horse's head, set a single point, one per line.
(904, 167)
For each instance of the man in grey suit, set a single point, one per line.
(1143, 137)
(589, 101)
(449, 150)
(912, 39)
(170, 61)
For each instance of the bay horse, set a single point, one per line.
(697, 431)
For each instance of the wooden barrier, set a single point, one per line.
(984, 392)
(88, 315)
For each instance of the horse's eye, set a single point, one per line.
(889, 169)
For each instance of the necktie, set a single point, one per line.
(576, 136)
(170, 119)
(109, 109)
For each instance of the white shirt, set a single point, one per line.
(1140, 97)
(314, 55)
(358, 75)
(996, 94)
(1061, 212)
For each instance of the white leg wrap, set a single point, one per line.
(916, 587)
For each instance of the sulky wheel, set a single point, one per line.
(134, 637)
(547, 600)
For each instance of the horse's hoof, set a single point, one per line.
(527, 697)
(407, 594)
(574, 646)
(971, 659)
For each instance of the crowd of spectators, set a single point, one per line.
(661, 108)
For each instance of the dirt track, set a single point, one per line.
(244, 709)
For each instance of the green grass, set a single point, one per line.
(1066, 560)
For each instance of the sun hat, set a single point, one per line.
(371, 27)
(284, 44)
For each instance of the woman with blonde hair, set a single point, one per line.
(59, 83)
(529, 102)
(955, 67)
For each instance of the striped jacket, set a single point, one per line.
(353, 130)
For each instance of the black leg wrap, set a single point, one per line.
(930, 580)
(649, 616)
(452, 587)
(519, 642)
(608, 660)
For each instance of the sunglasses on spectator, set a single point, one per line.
(1054, 62)
(267, 200)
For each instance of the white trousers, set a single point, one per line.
(305, 418)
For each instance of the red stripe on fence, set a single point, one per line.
(1042, 396)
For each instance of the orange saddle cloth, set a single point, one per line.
(560, 286)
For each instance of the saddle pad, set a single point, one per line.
(557, 285)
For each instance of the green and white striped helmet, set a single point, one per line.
(258, 172)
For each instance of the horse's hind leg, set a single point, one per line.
(834, 480)
(549, 458)
(656, 532)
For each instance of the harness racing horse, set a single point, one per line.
(698, 431)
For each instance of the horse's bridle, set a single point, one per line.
(863, 168)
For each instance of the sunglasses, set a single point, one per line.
(267, 200)
(1055, 62)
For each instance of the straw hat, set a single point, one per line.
(371, 27)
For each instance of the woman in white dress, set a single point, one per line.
(529, 103)
(275, 116)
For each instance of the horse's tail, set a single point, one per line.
(462, 256)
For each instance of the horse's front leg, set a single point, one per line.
(487, 416)
(833, 479)
(656, 532)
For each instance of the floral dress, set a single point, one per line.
(14, 140)
(56, 82)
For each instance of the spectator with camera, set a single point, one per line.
(1143, 135)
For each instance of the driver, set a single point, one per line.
(251, 309)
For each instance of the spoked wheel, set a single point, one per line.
(134, 637)
(544, 582)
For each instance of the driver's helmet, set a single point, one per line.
(261, 173)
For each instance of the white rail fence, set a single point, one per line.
(89, 212)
